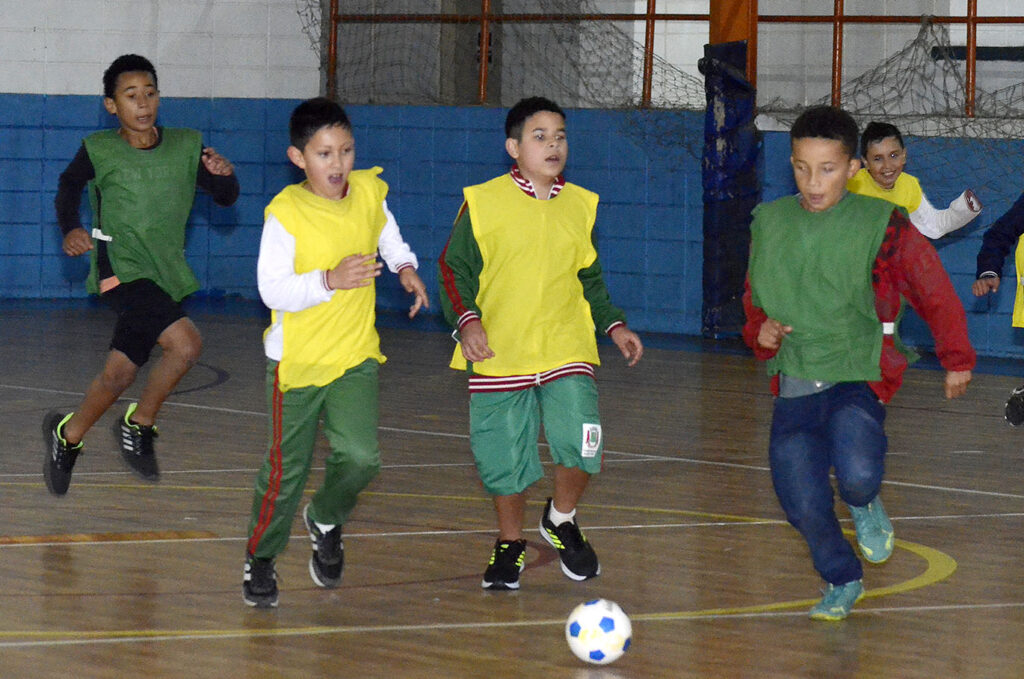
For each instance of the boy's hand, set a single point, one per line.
(972, 200)
(216, 163)
(983, 286)
(412, 283)
(771, 334)
(355, 271)
(77, 242)
(629, 344)
(473, 339)
(956, 382)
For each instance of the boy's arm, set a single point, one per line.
(607, 317)
(72, 182)
(922, 280)
(935, 223)
(459, 268)
(217, 177)
(401, 260)
(999, 240)
(762, 334)
(280, 287)
(393, 249)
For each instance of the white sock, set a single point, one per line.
(324, 527)
(558, 518)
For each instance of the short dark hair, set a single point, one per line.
(313, 114)
(525, 108)
(827, 122)
(126, 63)
(876, 132)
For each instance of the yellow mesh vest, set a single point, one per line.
(906, 192)
(322, 342)
(531, 299)
(1017, 320)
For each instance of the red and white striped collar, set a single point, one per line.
(527, 186)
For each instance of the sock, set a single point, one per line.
(558, 518)
(324, 527)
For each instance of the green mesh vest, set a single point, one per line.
(812, 271)
(141, 199)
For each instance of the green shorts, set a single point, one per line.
(504, 428)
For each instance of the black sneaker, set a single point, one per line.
(259, 583)
(507, 561)
(1014, 412)
(577, 557)
(137, 446)
(328, 558)
(60, 457)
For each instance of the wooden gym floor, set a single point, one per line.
(125, 579)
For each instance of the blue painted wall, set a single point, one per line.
(649, 222)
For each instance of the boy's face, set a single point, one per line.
(821, 168)
(885, 160)
(542, 149)
(135, 101)
(327, 159)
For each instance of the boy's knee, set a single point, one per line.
(118, 376)
(186, 349)
(859, 487)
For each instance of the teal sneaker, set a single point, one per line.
(874, 530)
(838, 601)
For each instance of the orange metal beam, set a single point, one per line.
(733, 20)
(972, 63)
(837, 52)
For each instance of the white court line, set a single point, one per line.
(638, 457)
(682, 616)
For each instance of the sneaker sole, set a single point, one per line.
(259, 603)
(500, 586)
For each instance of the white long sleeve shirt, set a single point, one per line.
(284, 290)
(935, 223)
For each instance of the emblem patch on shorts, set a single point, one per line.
(591, 440)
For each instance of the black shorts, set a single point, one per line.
(144, 311)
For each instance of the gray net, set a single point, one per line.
(579, 64)
(922, 90)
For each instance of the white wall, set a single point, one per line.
(211, 48)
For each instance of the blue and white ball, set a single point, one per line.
(598, 631)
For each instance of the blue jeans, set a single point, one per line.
(840, 428)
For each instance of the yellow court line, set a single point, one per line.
(939, 566)
(143, 536)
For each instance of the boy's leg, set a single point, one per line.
(511, 512)
(504, 428)
(181, 345)
(572, 427)
(118, 374)
(351, 414)
(799, 455)
(859, 444)
(63, 433)
(135, 430)
(292, 427)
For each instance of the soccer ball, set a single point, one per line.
(598, 631)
